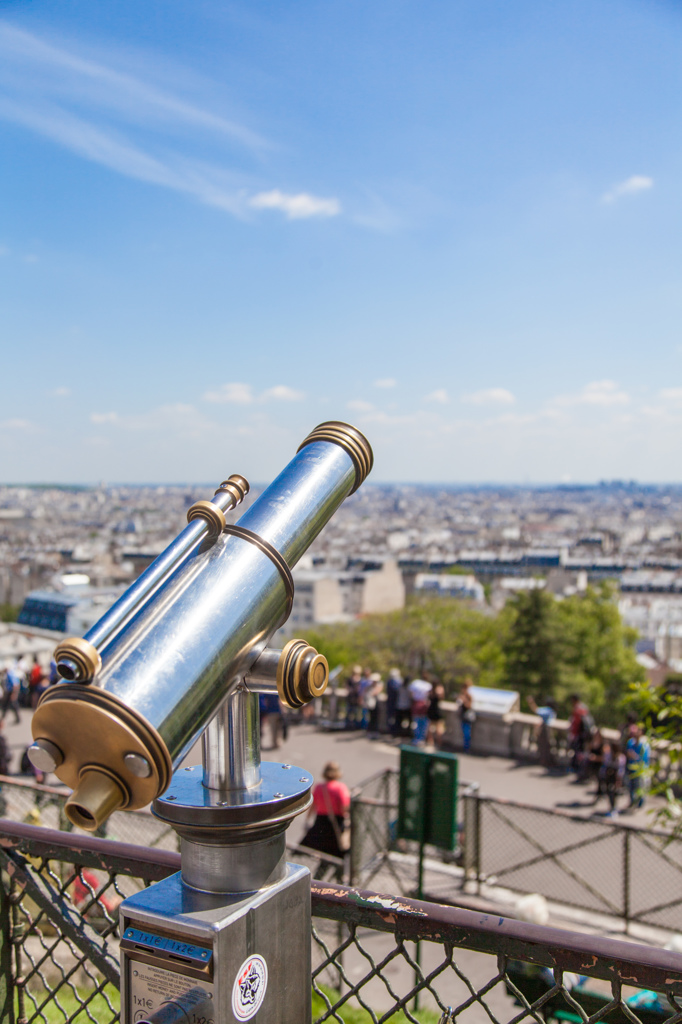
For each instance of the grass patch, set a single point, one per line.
(97, 1006)
(356, 1015)
(101, 1013)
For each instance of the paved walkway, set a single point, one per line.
(309, 747)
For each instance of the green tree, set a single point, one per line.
(440, 635)
(576, 645)
(532, 645)
(9, 612)
(599, 657)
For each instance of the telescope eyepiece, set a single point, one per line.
(77, 660)
(97, 795)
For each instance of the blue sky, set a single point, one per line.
(455, 224)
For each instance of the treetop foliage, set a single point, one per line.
(537, 645)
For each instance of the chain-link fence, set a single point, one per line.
(631, 873)
(376, 958)
(377, 856)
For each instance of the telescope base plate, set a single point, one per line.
(192, 808)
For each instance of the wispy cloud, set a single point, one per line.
(61, 392)
(135, 128)
(103, 417)
(598, 393)
(296, 207)
(385, 382)
(17, 424)
(243, 394)
(359, 405)
(630, 187)
(490, 396)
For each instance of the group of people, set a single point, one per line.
(615, 764)
(413, 706)
(23, 684)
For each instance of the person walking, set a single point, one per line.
(580, 729)
(435, 715)
(330, 831)
(613, 772)
(13, 681)
(393, 683)
(271, 713)
(364, 697)
(467, 715)
(638, 756)
(420, 691)
(353, 698)
(546, 713)
(595, 760)
(403, 717)
(372, 703)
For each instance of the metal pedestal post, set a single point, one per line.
(228, 938)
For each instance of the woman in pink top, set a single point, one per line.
(331, 802)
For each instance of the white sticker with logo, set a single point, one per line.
(248, 991)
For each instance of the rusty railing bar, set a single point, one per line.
(633, 964)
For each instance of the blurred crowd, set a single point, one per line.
(413, 706)
(616, 766)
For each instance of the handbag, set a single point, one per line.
(342, 835)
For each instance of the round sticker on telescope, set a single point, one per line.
(248, 991)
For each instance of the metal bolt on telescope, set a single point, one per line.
(183, 654)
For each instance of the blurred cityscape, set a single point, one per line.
(65, 553)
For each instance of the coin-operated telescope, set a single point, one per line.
(183, 654)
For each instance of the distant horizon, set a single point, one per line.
(423, 485)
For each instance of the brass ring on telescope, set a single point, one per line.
(351, 440)
(275, 557)
(211, 514)
(237, 486)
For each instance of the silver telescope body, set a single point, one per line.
(149, 677)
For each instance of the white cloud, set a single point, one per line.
(385, 382)
(16, 424)
(358, 405)
(490, 396)
(239, 394)
(597, 393)
(61, 392)
(440, 395)
(602, 392)
(671, 395)
(104, 417)
(631, 186)
(296, 207)
(282, 393)
(243, 394)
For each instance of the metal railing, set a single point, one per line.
(23, 799)
(622, 870)
(58, 950)
(634, 874)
